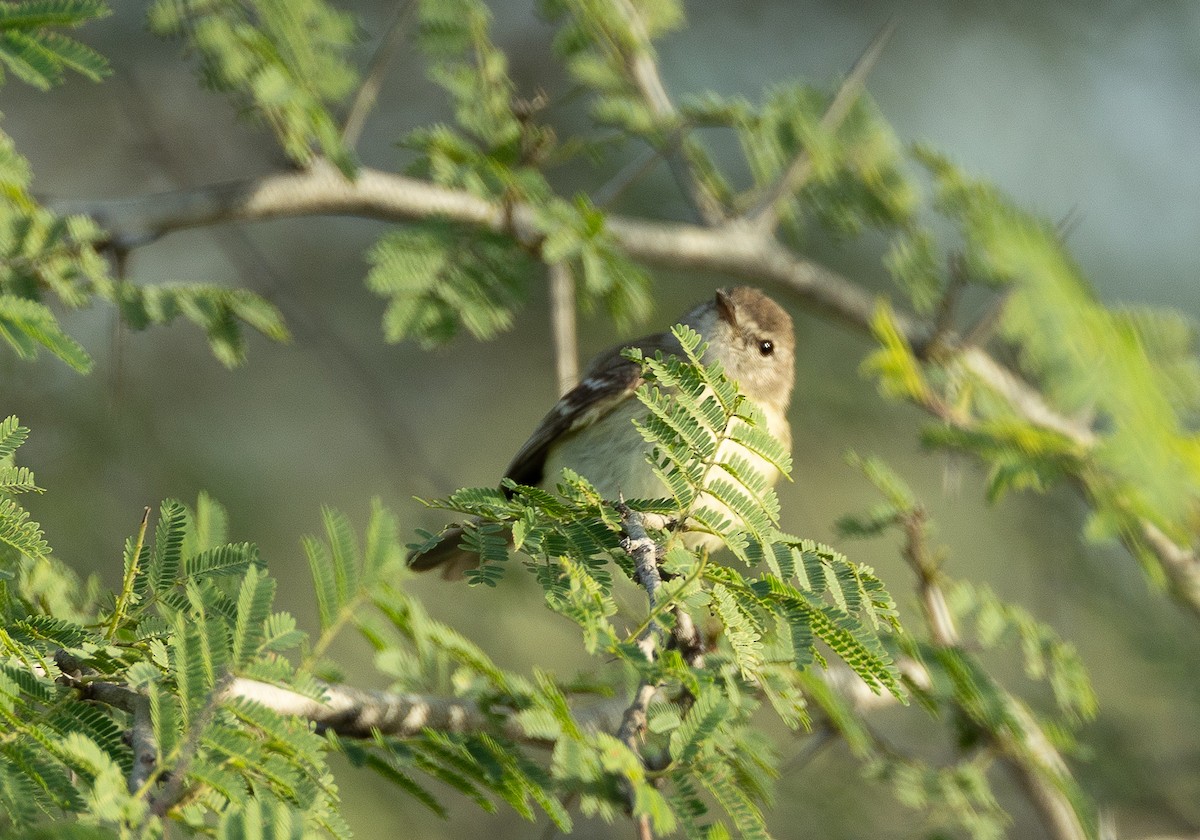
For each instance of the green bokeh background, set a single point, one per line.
(1075, 106)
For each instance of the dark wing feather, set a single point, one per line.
(609, 380)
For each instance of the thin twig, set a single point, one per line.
(765, 213)
(644, 72)
(130, 577)
(943, 316)
(925, 567)
(644, 552)
(629, 174)
(822, 737)
(562, 325)
(137, 705)
(120, 264)
(172, 791)
(981, 331)
(368, 91)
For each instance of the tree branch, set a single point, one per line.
(355, 712)
(736, 249)
(628, 175)
(644, 552)
(137, 705)
(933, 600)
(562, 325)
(1027, 751)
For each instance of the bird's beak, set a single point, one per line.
(725, 308)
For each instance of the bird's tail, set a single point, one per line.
(448, 555)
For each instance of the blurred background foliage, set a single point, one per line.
(1087, 110)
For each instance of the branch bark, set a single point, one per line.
(644, 552)
(137, 705)
(736, 249)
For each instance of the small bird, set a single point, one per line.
(591, 428)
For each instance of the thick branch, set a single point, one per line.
(355, 712)
(734, 249)
(350, 712)
(141, 732)
(644, 552)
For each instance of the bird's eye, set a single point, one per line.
(766, 347)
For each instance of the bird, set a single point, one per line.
(591, 428)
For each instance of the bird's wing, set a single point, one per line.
(608, 382)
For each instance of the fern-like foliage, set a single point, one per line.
(195, 612)
(221, 312)
(34, 50)
(601, 44)
(790, 600)
(1131, 377)
(438, 279)
(284, 59)
(858, 178)
(21, 539)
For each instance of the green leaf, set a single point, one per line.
(439, 278)
(219, 311)
(343, 552)
(464, 61)
(741, 630)
(694, 737)
(19, 533)
(166, 559)
(38, 55)
(229, 559)
(253, 605)
(320, 563)
(17, 480)
(285, 59)
(12, 435)
(894, 364)
(27, 325)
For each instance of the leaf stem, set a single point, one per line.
(131, 572)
